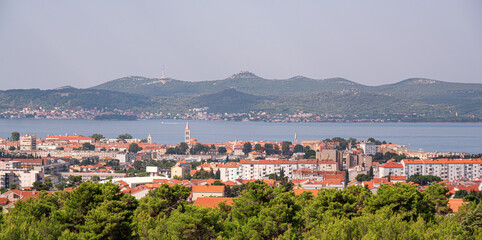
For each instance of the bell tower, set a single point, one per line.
(187, 134)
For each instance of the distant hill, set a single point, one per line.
(244, 82)
(229, 101)
(72, 98)
(245, 91)
(465, 97)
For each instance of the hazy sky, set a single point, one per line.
(47, 44)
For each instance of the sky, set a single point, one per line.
(48, 44)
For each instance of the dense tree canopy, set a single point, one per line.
(15, 136)
(424, 179)
(124, 136)
(97, 136)
(134, 148)
(259, 211)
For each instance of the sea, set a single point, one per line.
(429, 137)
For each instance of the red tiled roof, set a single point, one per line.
(398, 178)
(211, 189)
(212, 202)
(392, 165)
(456, 203)
(299, 191)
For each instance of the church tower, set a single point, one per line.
(187, 134)
(149, 139)
(296, 139)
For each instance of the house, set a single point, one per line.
(207, 191)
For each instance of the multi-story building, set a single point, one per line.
(258, 169)
(368, 148)
(8, 178)
(447, 169)
(28, 142)
(229, 171)
(390, 168)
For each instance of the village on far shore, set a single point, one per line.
(212, 170)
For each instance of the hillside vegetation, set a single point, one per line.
(244, 92)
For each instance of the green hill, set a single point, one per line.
(245, 91)
(72, 98)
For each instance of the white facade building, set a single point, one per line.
(392, 169)
(258, 169)
(447, 169)
(369, 148)
(28, 142)
(229, 171)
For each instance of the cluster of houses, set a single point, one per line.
(61, 156)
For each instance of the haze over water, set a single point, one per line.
(442, 137)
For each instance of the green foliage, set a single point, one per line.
(222, 150)
(424, 179)
(298, 148)
(363, 177)
(285, 147)
(134, 148)
(247, 147)
(383, 158)
(257, 147)
(203, 174)
(259, 211)
(124, 136)
(88, 146)
(97, 136)
(181, 149)
(15, 136)
(309, 154)
(199, 149)
(39, 186)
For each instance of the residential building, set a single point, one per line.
(28, 142)
(258, 169)
(369, 148)
(229, 171)
(390, 168)
(447, 169)
(207, 191)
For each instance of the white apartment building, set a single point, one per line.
(28, 142)
(392, 169)
(229, 171)
(447, 169)
(258, 169)
(23, 178)
(369, 148)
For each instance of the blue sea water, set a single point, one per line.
(442, 137)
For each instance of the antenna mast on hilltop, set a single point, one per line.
(163, 74)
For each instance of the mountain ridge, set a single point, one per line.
(246, 92)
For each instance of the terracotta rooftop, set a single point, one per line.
(211, 189)
(299, 191)
(212, 202)
(392, 165)
(456, 203)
